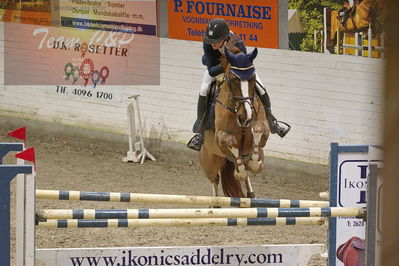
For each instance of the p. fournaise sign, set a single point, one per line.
(255, 21)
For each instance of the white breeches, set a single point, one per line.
(207, 81)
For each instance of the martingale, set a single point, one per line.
(222, 10)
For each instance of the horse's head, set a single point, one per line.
(240, 76)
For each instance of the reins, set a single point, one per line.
(234, 110)
(240, 99)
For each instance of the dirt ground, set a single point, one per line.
(86, 164)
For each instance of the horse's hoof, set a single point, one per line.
(255, 166)
(250, 195)
(241, 176)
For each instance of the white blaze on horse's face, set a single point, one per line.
(245, 93)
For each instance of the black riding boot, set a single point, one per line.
(271, 120)
(196, 141)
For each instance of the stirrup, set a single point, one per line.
(195, 142)
(285, 129)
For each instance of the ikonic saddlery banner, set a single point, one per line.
(255, 21)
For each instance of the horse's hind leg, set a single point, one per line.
(215, 188)
(211, 164)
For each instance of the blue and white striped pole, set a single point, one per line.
(177, 199)
(201, 213)
(120, 223)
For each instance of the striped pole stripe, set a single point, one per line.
(202, 213)
(177, 199)
(106, 223)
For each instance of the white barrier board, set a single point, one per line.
(214, 255)
(349, 169)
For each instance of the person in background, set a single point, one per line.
(346, 11)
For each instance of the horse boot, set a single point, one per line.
(195, 142)
(271, 120)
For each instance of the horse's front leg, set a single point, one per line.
(229, 142)
(255, 163)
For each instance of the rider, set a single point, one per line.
(216, 38)
(346, 11)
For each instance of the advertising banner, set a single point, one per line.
(98, 44)
(27, 12)
(349, 170)
(213, 255)
(256, 21)
(134, 16)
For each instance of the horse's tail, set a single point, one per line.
(231, 186)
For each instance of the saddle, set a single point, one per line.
(208, 123)
(352, 252)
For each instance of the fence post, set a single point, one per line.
(315, 40)
(326, 30)
(382, 44)
(358, 42)
(370, 48)
(137, 150)
(338, 41)
(7, 173)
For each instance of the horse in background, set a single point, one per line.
(241, 131)
(366, 12)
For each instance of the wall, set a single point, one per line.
(324, 97)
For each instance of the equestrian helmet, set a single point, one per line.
(216, 31)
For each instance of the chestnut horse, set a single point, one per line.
(366, 12)
(241, 131)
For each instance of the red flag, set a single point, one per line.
(27, 155)
(19, 133)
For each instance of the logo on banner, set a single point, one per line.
(255, 22)
(352, 183)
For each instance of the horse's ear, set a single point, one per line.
(228, 54)
(253, 54)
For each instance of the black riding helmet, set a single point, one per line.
(216, 31)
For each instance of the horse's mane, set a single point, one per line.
(232, 48)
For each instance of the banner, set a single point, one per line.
(27, 12)
(349, 169)
(284, 255)
(98, 44)
(256, 21)
(129, 16)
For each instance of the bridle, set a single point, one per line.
(236, 99)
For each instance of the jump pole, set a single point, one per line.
(201, 213)
(119, 223)
(177, 199)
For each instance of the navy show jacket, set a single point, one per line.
(211, 57)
